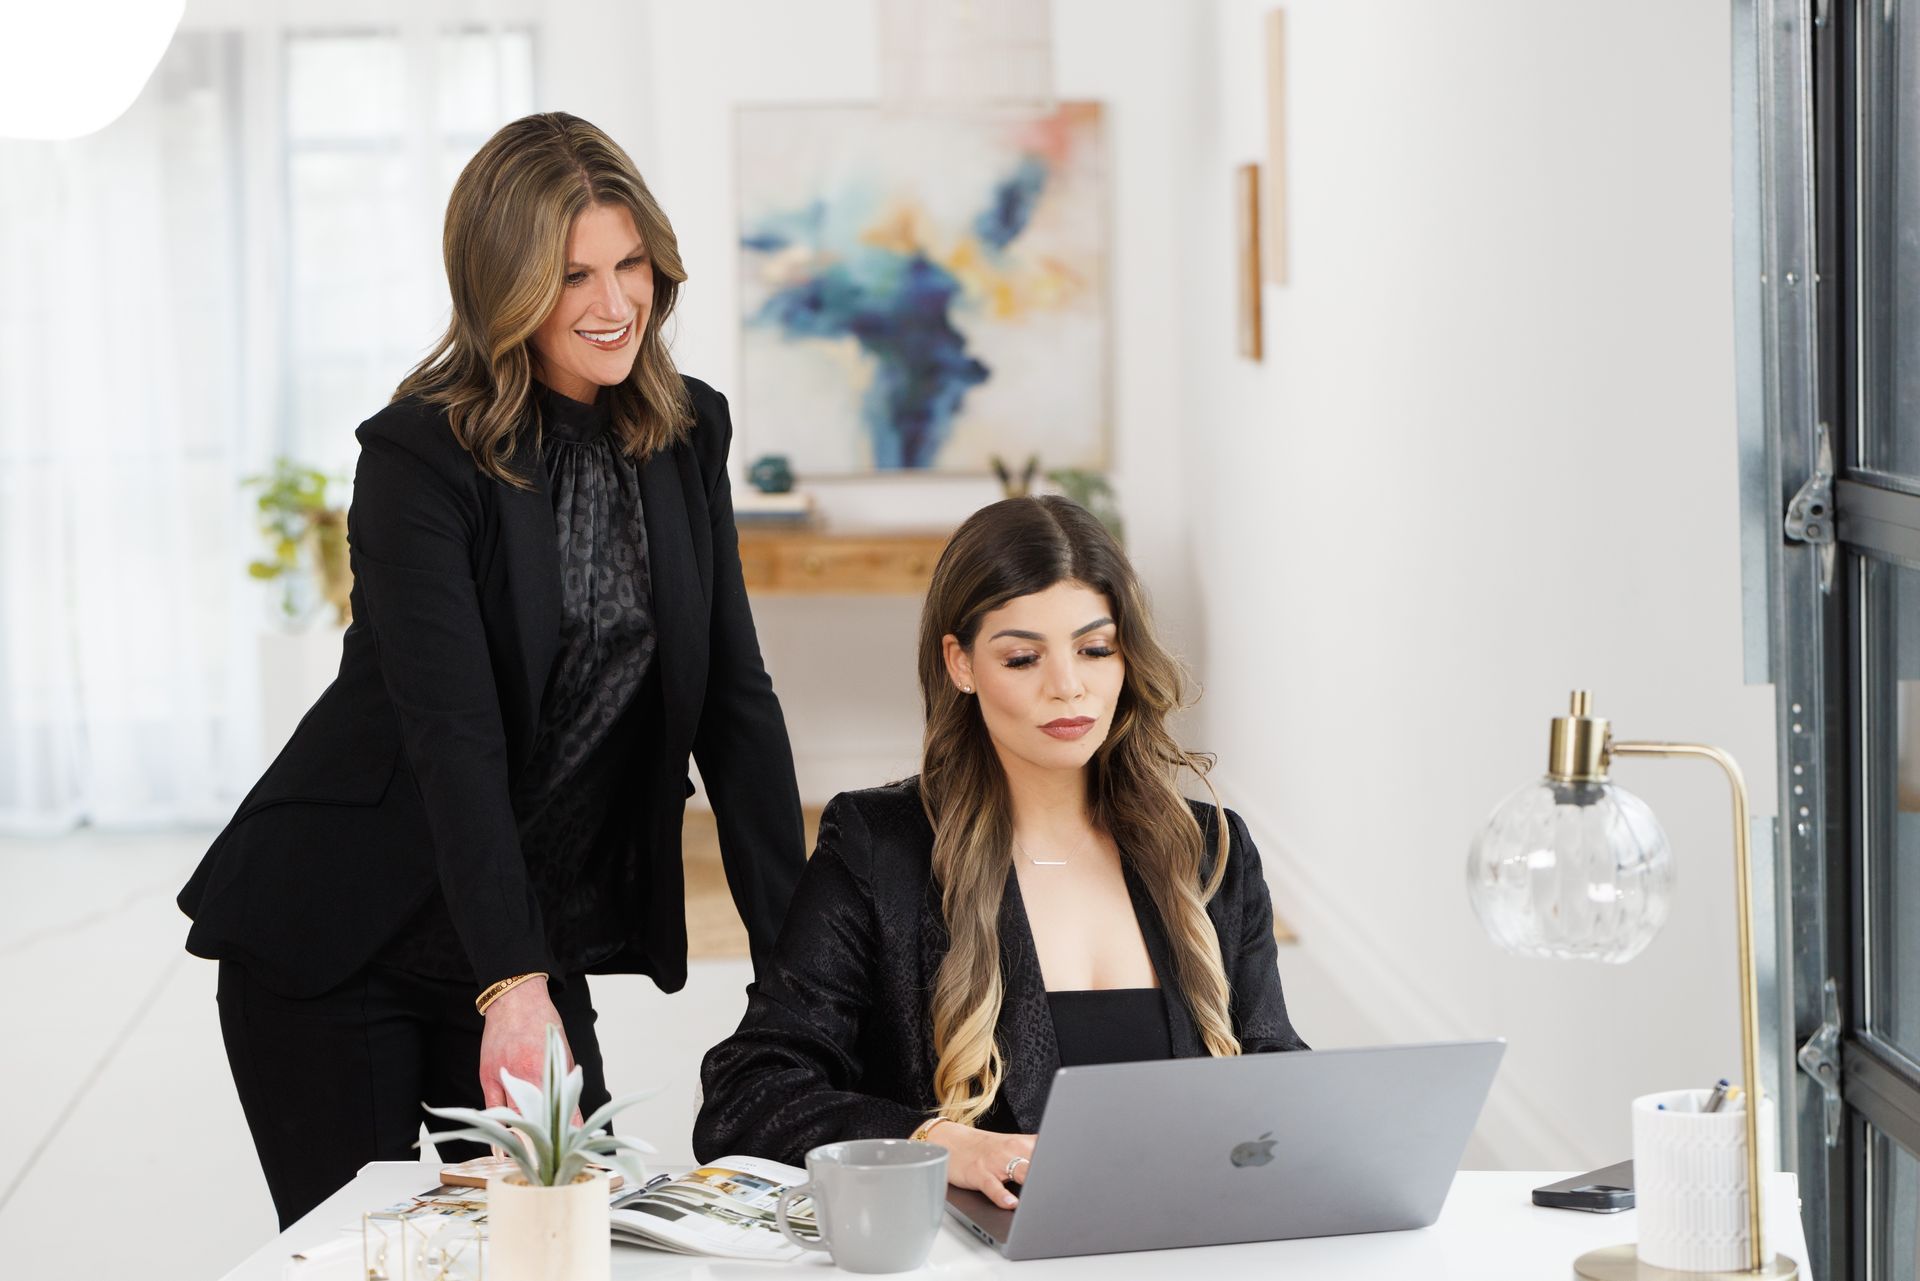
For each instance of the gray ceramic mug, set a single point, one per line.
(878, 1202)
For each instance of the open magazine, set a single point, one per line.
(724, 1209)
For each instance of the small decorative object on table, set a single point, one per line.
(548, 1220)
(772, 499)
(422, 1242)
(1010, 485)
(771, 474)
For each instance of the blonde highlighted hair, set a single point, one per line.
(508, 221)
(1004, 551)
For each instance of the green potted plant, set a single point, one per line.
(303, 532)
(547, 1221)
(1094, 492)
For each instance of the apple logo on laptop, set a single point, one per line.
(1255, 1152)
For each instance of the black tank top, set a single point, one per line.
(1113, 1025)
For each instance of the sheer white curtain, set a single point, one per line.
(241, 267)
(122, 699)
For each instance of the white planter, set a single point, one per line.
(548, 1234)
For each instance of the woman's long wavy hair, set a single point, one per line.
(1008, 550)
(505, 245)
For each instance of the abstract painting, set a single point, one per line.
(922, 291)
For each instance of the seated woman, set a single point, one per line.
(1041, 895)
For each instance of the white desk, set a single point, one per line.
(1489, 1231)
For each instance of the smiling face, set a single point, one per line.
(1047, 671)
(592, 336)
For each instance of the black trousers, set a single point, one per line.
(334, 1082)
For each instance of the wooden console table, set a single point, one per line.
(822, 561)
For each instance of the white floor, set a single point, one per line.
(125, 1152)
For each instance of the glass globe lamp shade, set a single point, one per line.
(1577, 871)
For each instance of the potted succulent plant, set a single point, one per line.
(547, 1221)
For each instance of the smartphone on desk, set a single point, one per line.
(1608, 1190)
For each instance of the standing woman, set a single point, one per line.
(548, 617)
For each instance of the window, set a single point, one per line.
(122, 698)
(1835, 319)
(368, 173)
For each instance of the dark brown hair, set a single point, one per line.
(1008, 550)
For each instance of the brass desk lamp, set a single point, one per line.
(1573, 867)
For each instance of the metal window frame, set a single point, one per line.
(1779, 412)
(1799, 125)
(1878, 520)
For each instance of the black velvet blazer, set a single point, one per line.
(399, 778)
(837, 1041)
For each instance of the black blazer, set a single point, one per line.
(399, 778)
(837, 1041)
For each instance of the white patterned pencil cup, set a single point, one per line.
(1690, 1180)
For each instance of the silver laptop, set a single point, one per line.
(1149, 1156)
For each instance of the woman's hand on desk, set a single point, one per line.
(515, 1038)
(978, 1159)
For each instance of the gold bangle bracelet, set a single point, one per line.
(926, 1127)
(503, 987)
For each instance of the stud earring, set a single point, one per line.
(966, 689)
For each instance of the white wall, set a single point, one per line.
(1490, 457)
(844, 669)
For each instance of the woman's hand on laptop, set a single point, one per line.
(985, 1160)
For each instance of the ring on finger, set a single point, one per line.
(1013, 1163)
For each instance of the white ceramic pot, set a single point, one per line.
(548, 1234)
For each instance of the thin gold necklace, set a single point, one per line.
(1051, 862)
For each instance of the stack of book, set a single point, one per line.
(751, 507)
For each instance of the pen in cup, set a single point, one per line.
(1718, 1096)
